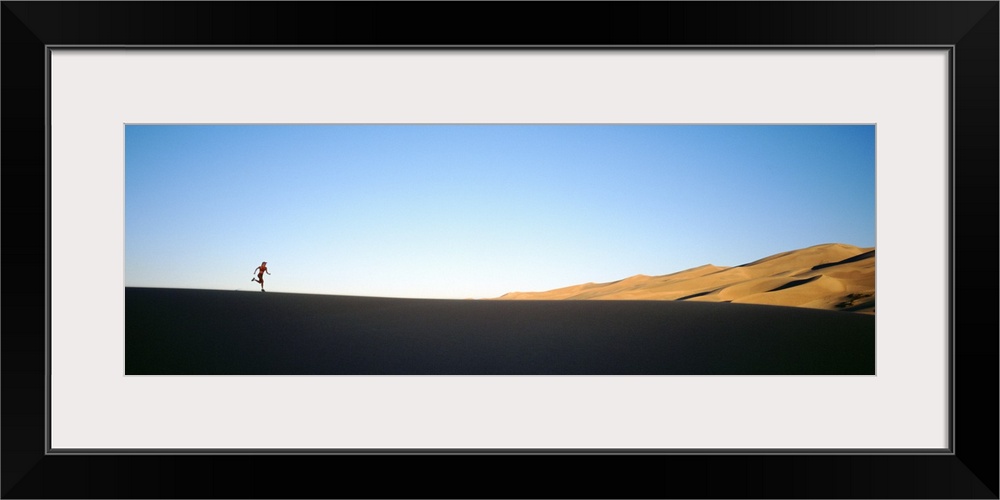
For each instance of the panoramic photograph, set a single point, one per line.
(499, 249)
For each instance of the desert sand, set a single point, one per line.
(216, 332)
(834, 276)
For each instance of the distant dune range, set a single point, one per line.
(832, 276)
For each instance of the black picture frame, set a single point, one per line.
(970, 29)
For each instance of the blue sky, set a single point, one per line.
(476, 211)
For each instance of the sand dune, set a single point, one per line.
(215, 332)
(833, 276)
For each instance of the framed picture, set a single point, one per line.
(182, 387)
(396, 246)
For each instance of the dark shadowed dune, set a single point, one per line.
(209, 332)
(857, 258)
(795, 283)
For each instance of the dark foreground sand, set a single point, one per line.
(209, 332)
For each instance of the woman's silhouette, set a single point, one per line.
(260, 270)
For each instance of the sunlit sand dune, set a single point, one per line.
(832, 276)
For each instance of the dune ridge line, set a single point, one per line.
(829, 276)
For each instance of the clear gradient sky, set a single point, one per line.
(476, 211)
